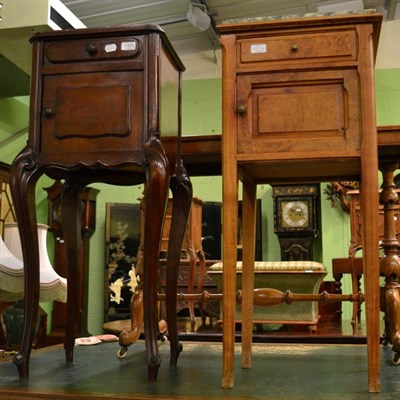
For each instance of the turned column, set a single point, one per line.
(390, 263)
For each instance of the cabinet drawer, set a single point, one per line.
(94, 50)
(308, 47)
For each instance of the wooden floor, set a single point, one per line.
(286, 365)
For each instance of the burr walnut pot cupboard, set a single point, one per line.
(101, 103)
(298, 106)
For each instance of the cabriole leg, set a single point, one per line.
(182, 199)
(157, 179)
(23, 181)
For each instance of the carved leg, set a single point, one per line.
(386, 334)
(393, 315)
(128, 337)
(338, 282)
(202, 272)
(156, 167)
(192, 270)
(23, 181)
(390, 263)
(182, 199)
(71, 214)
(249, 240)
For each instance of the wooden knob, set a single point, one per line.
(241, 109)
(48, 112)
(91, 49)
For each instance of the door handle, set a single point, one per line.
(241, 108)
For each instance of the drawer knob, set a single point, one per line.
(241, 108)
(294, 47)
(91, 49)
(48, 112)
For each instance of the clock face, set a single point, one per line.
(57, 211)
(295, 214)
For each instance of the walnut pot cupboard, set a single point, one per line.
(101, 102)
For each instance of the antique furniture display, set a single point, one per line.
(101, 102)
(88, 226)
(203, 283)
(298, 106)
(191, 248)
(389, 157)
(295, 220)
(297, 276)
(202, 157)
(356, 241)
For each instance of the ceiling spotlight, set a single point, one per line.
(197, 16)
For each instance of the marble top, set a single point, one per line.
(296, 16)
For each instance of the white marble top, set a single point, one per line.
(296, 16)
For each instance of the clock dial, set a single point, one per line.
(57, 210)
(296, 220)
(295, 214)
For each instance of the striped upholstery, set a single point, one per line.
(277, 266)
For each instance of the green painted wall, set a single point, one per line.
(387, 92)
(201, 115)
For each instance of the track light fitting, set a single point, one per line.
(197, 16)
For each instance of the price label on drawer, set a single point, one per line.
(125, 46)
(258, 48)
(109, 48)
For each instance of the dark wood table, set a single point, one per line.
(202, 154)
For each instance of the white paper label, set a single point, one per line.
(110, 47)
(128, 46)
(258, 48)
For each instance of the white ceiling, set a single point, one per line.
(198, 49)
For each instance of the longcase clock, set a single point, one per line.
(88, 226)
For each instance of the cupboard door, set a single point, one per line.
(314, 112)
(97, 112)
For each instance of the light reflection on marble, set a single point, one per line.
(296, 16)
